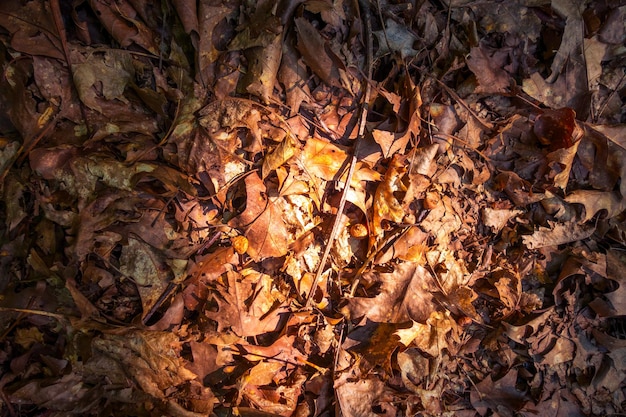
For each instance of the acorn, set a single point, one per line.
(358, 231)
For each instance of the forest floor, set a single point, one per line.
(313, 208)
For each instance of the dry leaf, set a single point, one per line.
(262, 221)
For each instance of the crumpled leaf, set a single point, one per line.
(386, 206)
(147, 268)
(31, 27)
(292, 75)
(207, 20)
(279, 155)
(497, 395)
(571, 41)
(151, 358)
(616, 264)
(358, 396)
(433, 337)
(68, 393)
(395, 38)
(498, 218)
(263, 65)
(375, 343)
(123, 23)
(111, 73)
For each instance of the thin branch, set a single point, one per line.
(366, 16)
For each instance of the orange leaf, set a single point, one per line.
(263, 222)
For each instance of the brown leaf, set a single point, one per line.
(249, 305)
(107, 74)
(402, 296)
(386, 206)
(209, 19)
(358, 396)
(323, 159)
(375, 343)
(152, 359)
(557, 234)
(312, 47)
(262, 221)
(123, 23)
(497, 395)
(293, 75)
(433, 337)
(594, 201)
(148, 269)
(281, 154)
(32, 28)
(487, 67)
(616, 264)
(263, 64)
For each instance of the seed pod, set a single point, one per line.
(240, 244)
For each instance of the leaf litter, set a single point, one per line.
(173, 176)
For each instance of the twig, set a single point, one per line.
(362, 120)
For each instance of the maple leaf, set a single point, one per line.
(262, 221)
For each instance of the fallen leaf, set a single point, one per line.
(487, 67)
(595, 201)
(395, 38)
(312, 47)
(557, 234)
(245, 304)
(497, 395)
(262, 222)
(403, 296)
(277, 157)
(147, 268)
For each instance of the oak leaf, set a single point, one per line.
(403, 296)
(245, 303)
(262, 221)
